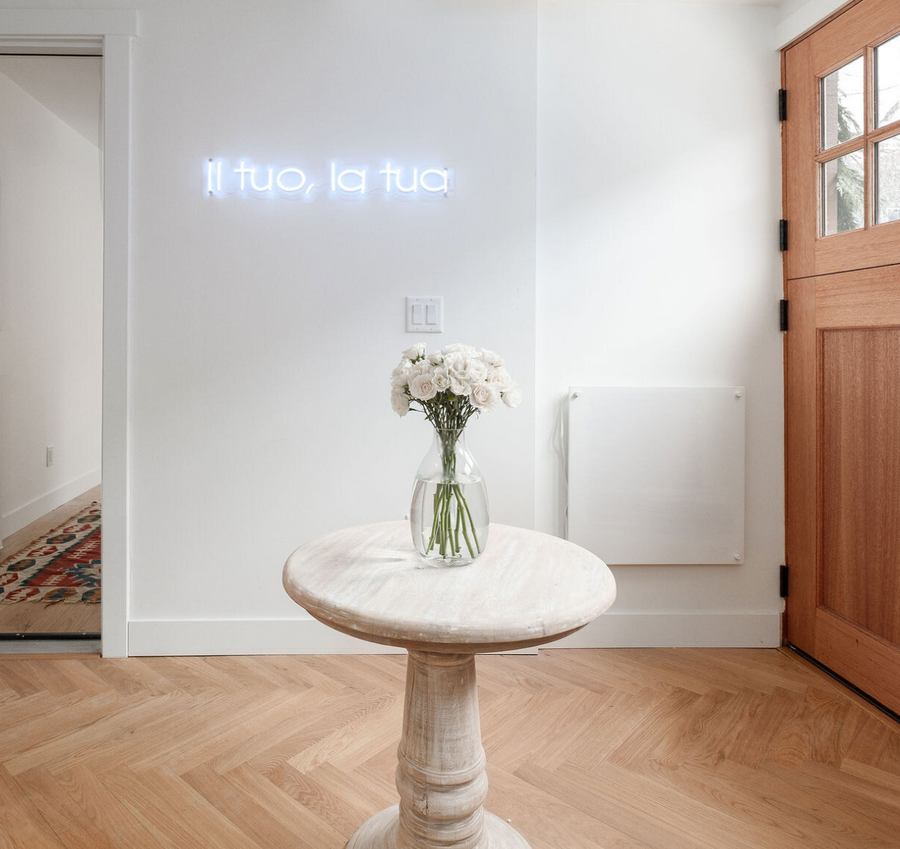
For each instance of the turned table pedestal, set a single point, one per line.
(526, 589)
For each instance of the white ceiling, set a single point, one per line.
(68, 86)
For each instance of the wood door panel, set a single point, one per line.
(800, 135)
(850, 35)
(842, 368)
(818, 305)
(864, 24)
(860, 414)
(801, 358)
(857, 249)
(858, 656)
(868, 298)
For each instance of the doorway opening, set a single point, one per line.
(51, 348)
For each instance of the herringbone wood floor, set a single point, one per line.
(620, 749)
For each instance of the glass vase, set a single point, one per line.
(449, 512)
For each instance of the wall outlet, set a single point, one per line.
(49, 455)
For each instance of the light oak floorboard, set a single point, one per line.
(587, 749)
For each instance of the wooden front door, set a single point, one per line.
(842, 347)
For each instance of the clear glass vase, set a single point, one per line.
(449, 513)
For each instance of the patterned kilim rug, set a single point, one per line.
(63, 565)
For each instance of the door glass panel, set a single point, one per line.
(887, 82)
(843, 194)
(887, 177)
(843, 103)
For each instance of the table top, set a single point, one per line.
(527, 588)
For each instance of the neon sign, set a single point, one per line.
(248, 179)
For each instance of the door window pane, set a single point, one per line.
(843, 194)
(843, 103)
(887, 176)
(887, 82)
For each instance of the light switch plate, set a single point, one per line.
(424, 314)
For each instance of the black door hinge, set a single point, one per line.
(783, 315)
(782, 235)
(782, 104)
(784, 582)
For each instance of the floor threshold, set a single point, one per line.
(37, 643)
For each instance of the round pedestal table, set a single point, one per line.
(526, 589)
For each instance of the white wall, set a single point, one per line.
(797, 16)
(50, 308)
(657, 265)
(264, 331)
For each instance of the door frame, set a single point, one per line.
(106, 33)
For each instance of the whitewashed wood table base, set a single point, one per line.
(380, 832)
(441, 774)
(526, 589)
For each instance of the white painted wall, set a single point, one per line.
(657, 265)
(264, 331)
(797, 16)
(50, 307)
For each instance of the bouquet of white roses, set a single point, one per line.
(450, 386)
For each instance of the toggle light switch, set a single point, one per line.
(424, 314)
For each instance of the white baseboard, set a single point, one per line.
(685, 629)
(307, 636)
(42, 505)
(163, 637)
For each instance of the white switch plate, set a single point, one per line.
(424, 314)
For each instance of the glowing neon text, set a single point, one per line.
(223, 179)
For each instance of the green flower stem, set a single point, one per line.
(449, 532)
(434, 524)
(461, 500)
(445, 531)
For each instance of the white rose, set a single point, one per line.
(453, 360)
(436, 358)
(399, 402)
(415, 352)
(491, 358)
(484, 396)
(421, 386)
(476, 370)
(463, 368)
(512, 397)
(400, 375)
(456, 348)
(459, 387)
(441, 379)
(500, 378)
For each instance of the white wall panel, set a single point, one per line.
(656, 474)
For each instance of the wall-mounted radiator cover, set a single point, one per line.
(656, 474)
